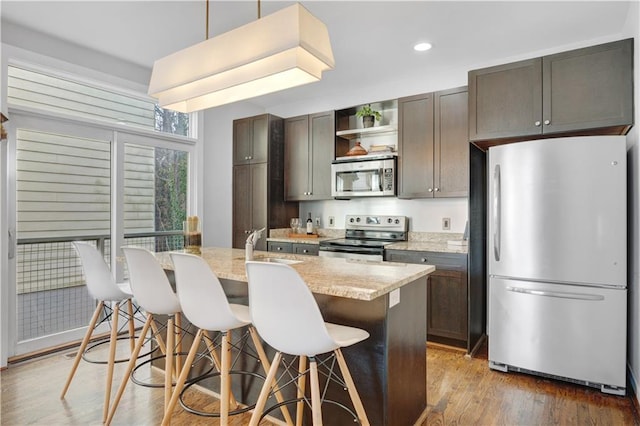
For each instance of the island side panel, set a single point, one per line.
(407, 355)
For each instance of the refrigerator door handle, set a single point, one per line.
(560, 294)
(496, 213)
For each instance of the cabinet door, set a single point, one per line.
(279, 247)
(506, 101)
(308, 249)
(588, 88)
(259, 206)
(242, 141)
(447, 305)
(260, 139)
(451, 153)
(415, 146)
(241, 205)
(296, 158)
(322, 140)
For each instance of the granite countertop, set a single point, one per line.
(354, 279)
(418, 241)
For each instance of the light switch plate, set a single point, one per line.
(394, 297)
(332, 221)
(446, 223)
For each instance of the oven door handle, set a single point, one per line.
(344, 249)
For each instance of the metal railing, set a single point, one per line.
(51, 291)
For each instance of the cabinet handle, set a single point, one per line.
(305, 251)
(423, 260)
(430, 190)
(279, 248)
(437, 189)
(547, 122)
(537, 123)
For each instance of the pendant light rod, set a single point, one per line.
(259, 9)
(207, 28)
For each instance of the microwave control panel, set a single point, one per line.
(388, 179)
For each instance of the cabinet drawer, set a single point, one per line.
(447, 261)
(280, 247)
(309, 249)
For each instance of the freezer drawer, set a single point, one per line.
(572, 332)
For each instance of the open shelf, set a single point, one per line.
(362, 132)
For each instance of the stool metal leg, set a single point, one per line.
(302, 380)
(351, 387)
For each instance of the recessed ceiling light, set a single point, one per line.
(421, 47)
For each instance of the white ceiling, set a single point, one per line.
(372, 41)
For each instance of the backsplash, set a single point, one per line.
(424, 215)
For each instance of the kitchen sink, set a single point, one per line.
(278, 260)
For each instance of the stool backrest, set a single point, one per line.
(284, 311)
(149, 282)
(100, 282)
(201, 295)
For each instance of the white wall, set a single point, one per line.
(632, 29)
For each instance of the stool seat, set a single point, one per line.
(344, 335)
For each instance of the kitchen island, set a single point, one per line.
(386, 299)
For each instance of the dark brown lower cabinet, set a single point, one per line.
(296, 248)
(447, 295)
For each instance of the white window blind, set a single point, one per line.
(51, 93)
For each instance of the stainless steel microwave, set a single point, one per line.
(363, 177)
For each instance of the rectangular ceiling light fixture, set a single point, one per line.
(288, 48)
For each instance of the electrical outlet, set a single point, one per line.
(332, 221)
(446, 223)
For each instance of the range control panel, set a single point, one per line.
(379, 223)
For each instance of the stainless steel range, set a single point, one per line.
(365, 237)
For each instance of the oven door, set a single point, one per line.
(345, 252)
(372, 178)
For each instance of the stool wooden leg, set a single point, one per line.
(183, 378)
(113, 342)
(216, 361)
(130, 366)
(316, 408)
(225, 384)
(264, 360)
(83, 346)
(132, 327)
(168, 362)
(302, 380)
(177, 330)
(266, 388)
(351, 387)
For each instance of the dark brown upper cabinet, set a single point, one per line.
(433, 151)
(309, 150)
(585, 91)
(251, 140)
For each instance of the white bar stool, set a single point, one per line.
(102, 286)
(205, 304)
(154, 294)
(287, 317)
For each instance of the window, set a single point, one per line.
(35, 89)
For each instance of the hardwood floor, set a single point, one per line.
(461, 391)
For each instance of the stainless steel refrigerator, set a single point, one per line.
(557, 253)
